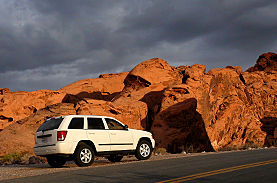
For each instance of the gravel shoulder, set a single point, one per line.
(17, 171)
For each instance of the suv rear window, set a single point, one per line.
(51, 124)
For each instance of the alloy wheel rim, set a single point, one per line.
(144, 150)
(85, 155)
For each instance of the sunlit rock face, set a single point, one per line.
(185, 107)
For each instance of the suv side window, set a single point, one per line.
(76, 123)
(95, 123)
(114, 125)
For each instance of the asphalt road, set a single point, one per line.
(236, 166)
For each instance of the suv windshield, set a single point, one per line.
(50, 124)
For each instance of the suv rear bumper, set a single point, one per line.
(59, 148)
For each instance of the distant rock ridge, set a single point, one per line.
(266, 62)
(185, 107)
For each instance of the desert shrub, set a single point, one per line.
(189, 148)
(242, 147)
(8, 158)
(13, 156)
(249, 145)
(227, 148)
(25, 156)
(161, 151)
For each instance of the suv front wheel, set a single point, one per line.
(144, 150)
(84, 155)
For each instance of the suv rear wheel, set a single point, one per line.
(56, 161)
(84, 155)
(144, 150)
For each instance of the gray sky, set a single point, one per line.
(48, 44)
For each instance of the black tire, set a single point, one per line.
(144, 150)
(56, 161)
(84, 155)
(115, 158)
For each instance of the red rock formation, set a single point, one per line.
(261, 93)
(4, 90)
(266, 62)
(132, 113)
(143, 89)
(225, 102)
(185, 107)
(18, 105)
(103, 88)
(180, 127)
(19, 136)
(150, 73)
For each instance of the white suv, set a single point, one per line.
(81, 137)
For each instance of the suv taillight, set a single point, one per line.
(61, 135)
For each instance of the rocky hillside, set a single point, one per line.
(184, 107)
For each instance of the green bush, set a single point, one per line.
(13, 156)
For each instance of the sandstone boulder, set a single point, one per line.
(181, 128)
(35, 160)
(145, 83)
(151, 72)
(103, 88)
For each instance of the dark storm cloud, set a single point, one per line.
(62, 31)
(177, 21)
(42, 41)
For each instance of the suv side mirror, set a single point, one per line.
(126, 127)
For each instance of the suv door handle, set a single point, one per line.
(113, 133)
(91, 133)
